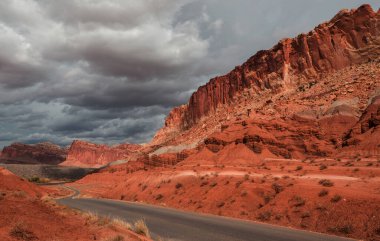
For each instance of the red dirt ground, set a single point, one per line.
(28, 213)
(277, 191)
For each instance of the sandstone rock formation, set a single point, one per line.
(41, 153)
(87, 154)
(352, 37)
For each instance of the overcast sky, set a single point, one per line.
(108, 71)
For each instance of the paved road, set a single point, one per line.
(172, 224)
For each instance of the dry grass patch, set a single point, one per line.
(141, 228)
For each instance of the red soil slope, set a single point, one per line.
(27, 214)
(41, 153)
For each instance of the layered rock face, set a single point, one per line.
(42, 153)
(87, 154)
(350, 38)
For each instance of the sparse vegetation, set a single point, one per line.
(326, 183)
(264, 216)
(277, 188)
(38, 179)
(305, 215)
(345, 229)
(20, 231)
(336, 198)
(298, 201)
(299, 168)
(159, 196)
(322, 167)
(141, 228)
(323, 193)
(122, 223)
(238, 183)
(116, 238)
(178, 185)
(220, 204)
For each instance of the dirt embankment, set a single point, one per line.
(29, 213)
(340, 197)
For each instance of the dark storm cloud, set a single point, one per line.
(109, 71)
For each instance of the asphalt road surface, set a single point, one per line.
(171, 224)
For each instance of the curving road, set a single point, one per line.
(172, 224)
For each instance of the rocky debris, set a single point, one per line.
(86, 154)
(41, 153)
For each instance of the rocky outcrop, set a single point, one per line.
(364, 138)
(351, 37)
(41, 153)
(87, 154)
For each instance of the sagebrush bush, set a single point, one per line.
(336, 198)
(326, 183)
(323, 193)
(20, 231)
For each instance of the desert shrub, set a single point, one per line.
(326, 183)
(204, 183)
(298, 201)
(112, 170)
(220, 204)
(141, 228)
(115, 238)
(20, 231)
(267, 198)
(244, 193)
(277, 187)
(144, 187)
(322, 167)
(2, 195)
(178, 185)
(356, 170)
(34, 179)
(246, 177)
(323, 193)
(103, 221)
(299, 168)
(238, 183)
(159, 197)
(121, 223)
(336, 198)
(305, 215)
(264, 216)
(345, 229)
(213, 184)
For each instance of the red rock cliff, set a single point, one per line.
(41, 153)
(87, 154)
(345, 40)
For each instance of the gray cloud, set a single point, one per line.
(109, 71)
